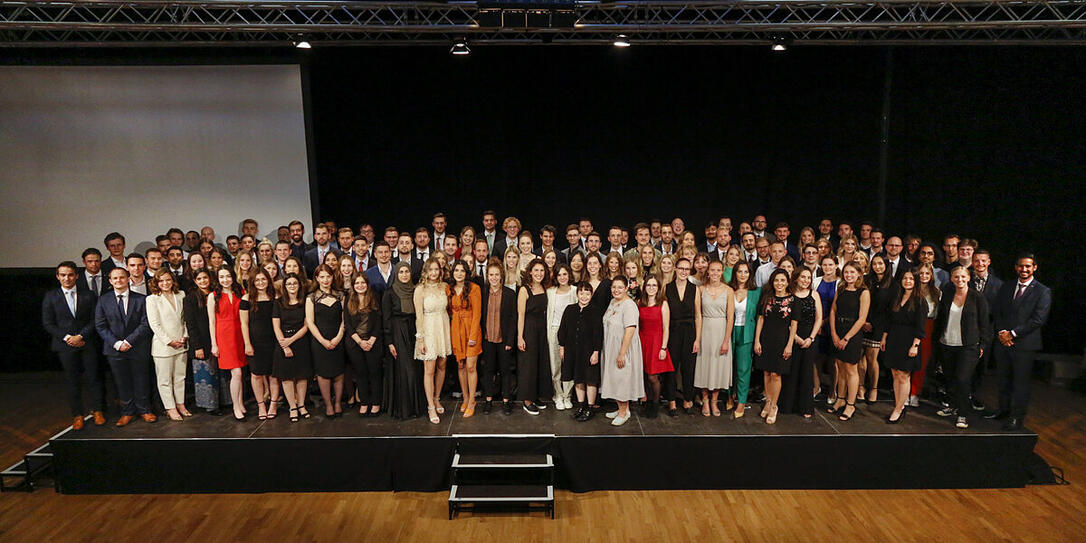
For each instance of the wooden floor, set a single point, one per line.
(31, 410)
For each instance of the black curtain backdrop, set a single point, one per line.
(987, 142)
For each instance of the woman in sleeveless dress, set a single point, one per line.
(797, 393)
(847, 316)
(773, 338)
(432, 333)
(653, 327)
(684, 338)
(292, 362)
(223, 305)
(324, 317)
(533, 357)
(713, 372)
(260, 344)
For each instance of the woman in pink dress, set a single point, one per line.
(227, 344)
(653, 329)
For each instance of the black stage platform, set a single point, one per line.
(217, 454)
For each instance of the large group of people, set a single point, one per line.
(658, 319)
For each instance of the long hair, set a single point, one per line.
(284, 300)
(238, 272)
(928, 290)
(670, 257)
(152, 285)
(316, 273)
(873, 278)
(585, 276)
(465, 297)
(300, 273)
(749, 284)
(356, 303)
(576, 276)
(643, 300)
(234, 286)
(201, 297)
(605, 272)
(526, 275)
(514, 273)
(914, 298)
(842, 285)
(251, 289)
(771, 290)
(558, 267)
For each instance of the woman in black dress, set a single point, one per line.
(773, 337)
(901, 340)
(797, 392)
(879, 282)
(533, 358)
(205, 370)
(596, 275)
(847, 317)
(404, 397)
(364, 347)
(580, 340)
(684, 304)
(256, 330)
(324, 317)
(292, 362)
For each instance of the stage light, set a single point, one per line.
(622, 41)
(779, 44)
(460, 47)
(300, 42)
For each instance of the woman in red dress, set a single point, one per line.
(227, 344)
(653, 328)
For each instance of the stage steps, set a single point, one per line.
(34, 464)
(502, 471)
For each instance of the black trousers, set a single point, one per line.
(797, 388)
(959, 366)
(498, 363)
(133, 384)
(368, 372)
(81, 371)
(680, 344)
(1013, 368)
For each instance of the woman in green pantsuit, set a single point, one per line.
(746, 315)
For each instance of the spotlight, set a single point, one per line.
(460, 47)
(622, 41)
(779, 44)
(300, 42)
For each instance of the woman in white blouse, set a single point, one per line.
(170, 342)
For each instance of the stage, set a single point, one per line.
(351, 453)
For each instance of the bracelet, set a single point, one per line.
(418, 335)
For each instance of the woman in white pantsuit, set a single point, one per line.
(170, 342)
(560, 294)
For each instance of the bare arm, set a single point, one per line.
(697, 318)
(211, 323)
(665, 315)
(243, 317)
(522, 302)
(865, 305)
(730, 322)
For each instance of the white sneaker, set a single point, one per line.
(619, 421)
(569, 403)
(559, 404)
(914, 401)
(962, 423)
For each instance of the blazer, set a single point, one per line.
(83, 285)
(991, 287)
(198, 324)
(1025, 316)
(132, 327)
(975, 324)
(377, 281)
(507, 315)
(750, 323)
(500, 245)
(167, 323)
(660, 246)
(59, 321)
(369, 260)
(311, 259)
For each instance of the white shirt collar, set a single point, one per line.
(67, 291)
(1027, 283)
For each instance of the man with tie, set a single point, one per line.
(344, 240)
(750, 252)
(360, 254)
(479, 256)
(421, 253)
(390, 235)
(759, 228)
(92, 279)
(810, 260)
(298, 246)
(315, 256)
(175, 262)
(723, 241)
(404, 244)
(437, 239)
(68, 316)
(895, 261)
(121, 321)
(761, 249)
(281, 253)
(546, 243)
(667, 244)
(614, 238)
(866, 227)
(1020, 311)
(825, 230)
(490, 229)
(379, 275)
(115, 244)
(986, 283)
(573, 239)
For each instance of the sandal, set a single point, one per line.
(835, 410)
(273, 410)
(293, 414)
(845, 418)
(440, 408)
(433, 415)
(303, 411)
(772, 417)
(872, 392)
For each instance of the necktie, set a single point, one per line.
(94, 284)
(70, 296)
(120, 306)
(1021, 289)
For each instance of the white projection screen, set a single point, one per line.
(85, 151)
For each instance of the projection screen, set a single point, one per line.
(85, 151)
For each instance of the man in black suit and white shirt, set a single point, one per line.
(1020, 311)
(360, 255)
(421, 253)
(546, 243)
(479, 257)
(490, 229)
(68, 316)
(782, 231)
(511, 226)
(573, 239)
(986, 283)
(92, 279)
(380, 275)
(115, 245)
(298, 246)
(896, 262)
(667, 244)
(437, 238)
(137, 273)
(614, 238)
(315, 256)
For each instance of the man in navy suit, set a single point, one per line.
(67, 313)
(121, 321)
(115, 244)
(321, 245)
(380, 275)
(782, 231)
(92, 279)
(1020, 311)
(986, 283)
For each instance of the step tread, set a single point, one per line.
(502, 460)
(501, 493)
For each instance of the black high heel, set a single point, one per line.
(303, 412)
(899, 417)
(293, 414)
(845, 418)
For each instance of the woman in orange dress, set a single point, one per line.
(465, 306)
(223, 305)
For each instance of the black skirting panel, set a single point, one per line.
(584, 463)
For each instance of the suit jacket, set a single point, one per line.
(167, 323)
(312, 258)
(498, 234)
(433, 240)
(793, 252)
(478, 279)
(132, 327)
(568, 253)
(377, 281)
(975, 324)
(750, 324)
(508, 315)
(500, 245)
(107, 265)
(559, 256)
(58, 320)
(197, 324)
(991, 287)
(903, 265)
(416, 264)
(83, 285)
(659, 246)
(1025, 316)
(718, 254)
(369, 260)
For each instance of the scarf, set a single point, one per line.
(405, 291)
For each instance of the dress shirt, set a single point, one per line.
(94, 282)
(422, 254)
(761, 277)
(138, 287)
(893, 265)
(72, 298)
(123, 304)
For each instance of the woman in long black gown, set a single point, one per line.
(256, 330)
(901, 340)
(404, 397)
(533, 359)
(292, 362)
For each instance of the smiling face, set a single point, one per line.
(780, 284)
(226, 279)
(292, 286)
(538, 273)
(165, 282)
(630, 269)
(360, 286)
(459, 273)
(960, 277)
(1025, 267)
(562, 277)
(908, 282)
(346, 267)
(260, 282)
(804, 279)
(494, 276)
(67, 275)
(618, 290)
(324, 279)
(203, 281)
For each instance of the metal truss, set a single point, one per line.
(201, 23)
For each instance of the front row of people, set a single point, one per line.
(555, 340)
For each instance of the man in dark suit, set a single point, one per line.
(360, 254)
(421, 253)
(782, 231)
(1020, 311)
(121, 321)
(667, 244)
(986, 283)
(92, 279)
(298, 246)
(380, 274)
(315, 256)
(546, 243)
(401, 249)
(896, 262)
(479, 258)
(437, 239)
(573, 239)
(67, 313)
(115, 244)
(511, 226)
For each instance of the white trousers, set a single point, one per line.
(561, 388)
(170, 376)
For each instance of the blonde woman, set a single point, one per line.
(433, 330)
(511, 267)
(265, 251)
(667, 270)
(847, 250)
(648, 261)
(243, 267)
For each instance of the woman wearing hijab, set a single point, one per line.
(404, 397)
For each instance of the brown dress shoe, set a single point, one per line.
(77, 423)
(125, 419)
(99, 418)
(148, 417)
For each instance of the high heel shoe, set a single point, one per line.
(740, 410)
(303, 412)
(433, 415)
(293, 414)
(772, 418)
(891, 420)
(845, 418)
(834, 409)
(440, 409)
